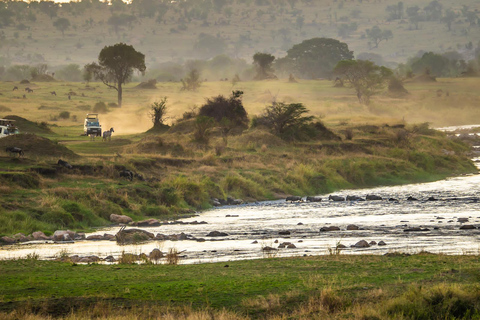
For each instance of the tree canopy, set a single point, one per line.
(116, 65)
(364, 76)
(316, 58)
(263, 65)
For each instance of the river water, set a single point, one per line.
(251, 227)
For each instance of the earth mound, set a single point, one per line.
(34, 145)
(43, 78)
(25, 125)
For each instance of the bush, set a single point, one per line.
(64, 115)
(220, 107)
(169, 196)
(100, 107)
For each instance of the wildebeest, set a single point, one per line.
(354, 198)
(15, 88)
(28, 90)
(293, 198)
(336, 198)
(108, 134)
(53, 93)
(15, 151)
(64, 163)
(373, 197)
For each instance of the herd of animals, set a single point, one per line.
(350, 198)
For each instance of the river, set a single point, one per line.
(251, 227)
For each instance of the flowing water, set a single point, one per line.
(251, 227)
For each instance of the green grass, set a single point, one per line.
(353, 280)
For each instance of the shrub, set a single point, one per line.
(64, 115)
(169, 196)
(100, 107)
(220, 108)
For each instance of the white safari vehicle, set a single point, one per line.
(92, 126)
(7, 127)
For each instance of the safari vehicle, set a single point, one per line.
(7, 127)
(92, 125)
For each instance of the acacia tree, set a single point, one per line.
(364, 76)
(115, 66)
(62, 24)
(377, 35)
(263, 65)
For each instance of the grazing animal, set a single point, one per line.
(53, 93)
(15, 88)
(373, 197)
(28, 90)
(64, 164)
(313, 199)
(24, 97)
(108, 134)
(294, 198)
(336, 198)
(354, 198)
(127, 174)
(15, 151)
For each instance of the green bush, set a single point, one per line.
(169, 196)
(64, 115)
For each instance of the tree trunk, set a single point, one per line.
(119, 91)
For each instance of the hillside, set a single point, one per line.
(178, 31)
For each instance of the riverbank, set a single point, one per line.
(395, 285)
(171, 177)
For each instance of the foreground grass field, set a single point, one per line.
(420, 286)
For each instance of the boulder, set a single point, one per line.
(79, 236)
(20, 237)
(89, 259)
(156, 254)
(110, 259)
(95, 237)
(352, 227)
(372, 243)
(336, 198)
(415, 229)
(217, 234)
(467, 227)
(39, 235)
(382, 243)
(7, 240)
(63, 235)
(331, 228)
(462, 220)
(373, 197)
(117, 218)
(291, 246)
(361, 244)
(354, 198)
(148, 223)
(284, 233)
(410, 198)
(128, 236)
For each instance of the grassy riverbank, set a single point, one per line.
(177, 175)
(421, 286)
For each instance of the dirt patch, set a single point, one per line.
(33, 145)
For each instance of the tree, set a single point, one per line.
(70, 72)
(263, 65)
(116, 65)
(344, 30)
(192, 81)
(395, 11)
(414, 15)
(158, 111)
(62, 24)
(119, 20)
(449, 18)
(364, 76)
(316, 58)
(433, 10)
(377, 35)
(287, 120)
